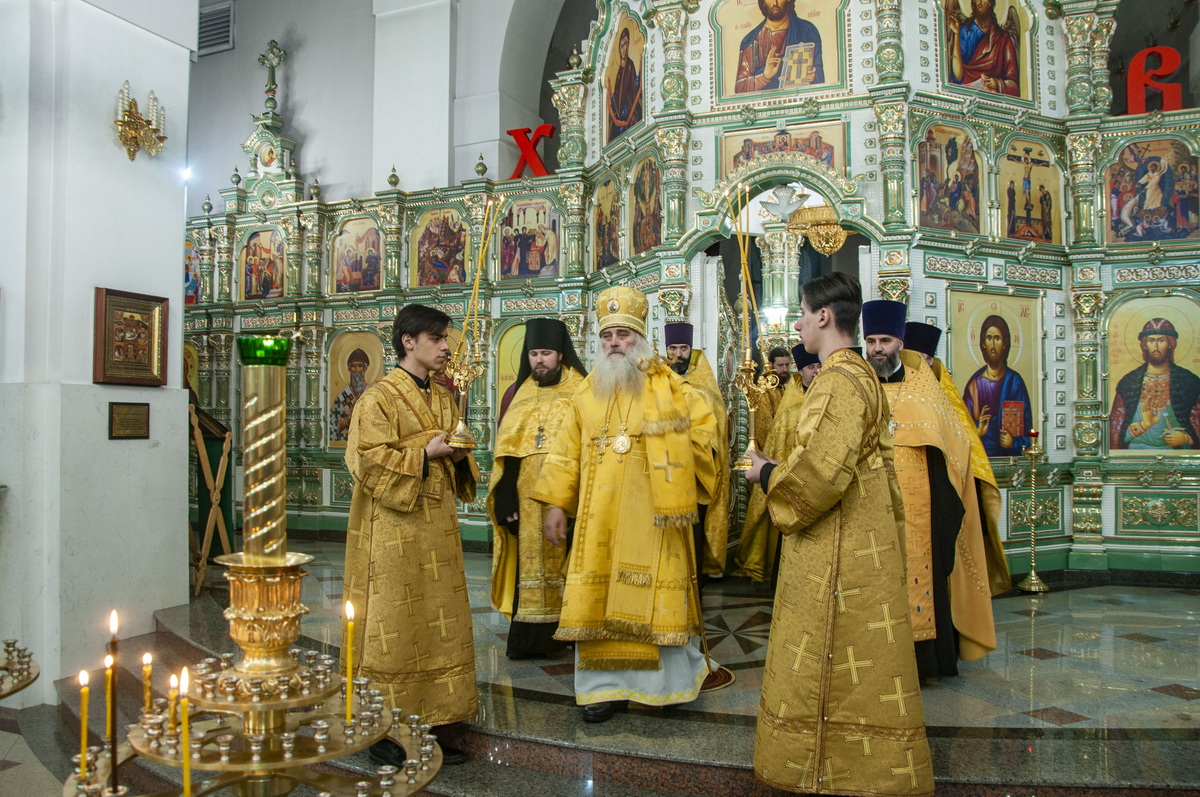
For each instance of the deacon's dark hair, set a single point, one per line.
(778, 351)
(842, 294)
(414, 319)
(1000, 324)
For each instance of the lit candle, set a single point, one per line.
(172, 696)
(108, 691)
(112, 700)
(146, 670)
(349, 660)
(187, 742)
(83, 733)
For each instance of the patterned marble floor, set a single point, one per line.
(1097, 685)
(1099, 657)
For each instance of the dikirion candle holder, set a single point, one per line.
(259, 722)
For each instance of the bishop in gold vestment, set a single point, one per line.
(923, 339)
(949, 596)
(841, 705)
(631, 464)
(404, 562)
(527, 570)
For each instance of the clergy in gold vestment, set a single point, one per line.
(949, 595)
(923, 339)
(712, 532)
(404, 563)
(632, 462)
(527, 578)
(841, 705)
(758, 548)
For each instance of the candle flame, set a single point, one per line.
(183, 683)
(146, 659)
(83, 677)
(108, 662)
(349, 611)
(112, 622)
(174, 681)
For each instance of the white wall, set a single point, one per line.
(325, 95)
(87, 524)
(425, 85)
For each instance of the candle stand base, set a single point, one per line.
(1032, 583)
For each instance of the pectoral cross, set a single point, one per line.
(893, 426)
(602, 442)
(540, 437)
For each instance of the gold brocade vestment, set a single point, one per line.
(925, 418)
(404, 563)
(999, 577)
(716, 521)
(841, 705)
(760, 538)
(628, 589)
(534, 565)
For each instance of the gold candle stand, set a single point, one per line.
(261, 722)
(1032, 582)
(18, 671)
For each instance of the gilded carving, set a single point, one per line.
(1087, 305)
(673, 141)
(895, 288)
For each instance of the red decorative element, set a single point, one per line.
(1138, 80)
(528, 149)
(1033, 433)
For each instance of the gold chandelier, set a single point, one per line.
(820, 224)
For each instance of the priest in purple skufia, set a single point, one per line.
(996, 396)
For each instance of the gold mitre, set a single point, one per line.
(622, 306)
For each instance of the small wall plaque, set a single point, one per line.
(128, 421)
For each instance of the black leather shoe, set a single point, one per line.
(387, 753)
(452, 756)
(603, 712)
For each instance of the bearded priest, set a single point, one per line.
(527, 578)
(632, 464)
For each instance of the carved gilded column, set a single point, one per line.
(222, 349)
(780, 264)
(1087, 545)
(1082, 149)
(204, 376)
(889, 55)
(314, 351)
(313, 225)
(294, 367)
(570, 93)
(1101, 39)
(226, 290)
(575, 225)
(890, 119)
(671, 19)
(1079, 62)
(293, 237)
(672, 142)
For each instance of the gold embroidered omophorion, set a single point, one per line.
(841, 706)
(404, 564)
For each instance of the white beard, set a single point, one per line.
(619, 373)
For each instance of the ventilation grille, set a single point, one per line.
(216, 28)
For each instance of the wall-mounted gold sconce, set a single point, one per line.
(140, 132)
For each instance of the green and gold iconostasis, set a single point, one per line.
(958, 156)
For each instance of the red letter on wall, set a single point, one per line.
(1138, 80)
(529, 149)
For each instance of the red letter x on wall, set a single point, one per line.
(528, 149)
(1138, 81)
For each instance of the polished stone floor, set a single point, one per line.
(1097, 686)
(1093, 685)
